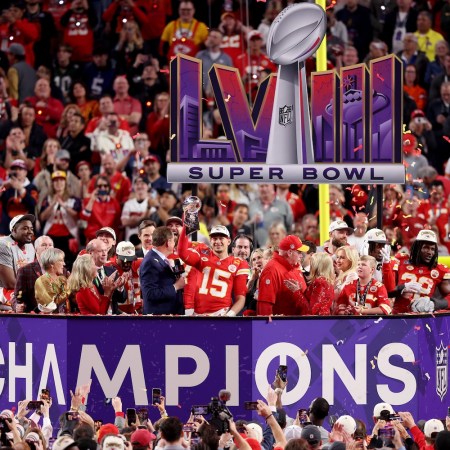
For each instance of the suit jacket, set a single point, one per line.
(24, 290)
(390, 21)
(157, 279)
(117, 297)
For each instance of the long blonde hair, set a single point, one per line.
(81, 274)
(322, 266)
(352, 254)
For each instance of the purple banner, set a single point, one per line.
(354, 363)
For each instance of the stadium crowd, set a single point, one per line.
(212, 427)
(84, 147)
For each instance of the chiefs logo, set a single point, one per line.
(410, 267)
(434, 274)
(373, 289)
(232, 268)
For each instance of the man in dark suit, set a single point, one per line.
(145, 232)
(162, 291)
(23, 300)
(98, 249)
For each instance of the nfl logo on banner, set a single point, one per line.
(286, 115)
(441, 370)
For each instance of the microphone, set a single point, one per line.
(178, 268)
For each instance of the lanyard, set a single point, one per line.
(362, 298)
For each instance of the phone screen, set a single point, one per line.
(142, 414)
(156, 396)
(131, 416)
(251, 406)
(282, 373)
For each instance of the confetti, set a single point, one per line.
(417, 328)
(428, 327)
(413, 164)
(407, 229)
(305, 352)
(372, 363)
(164, 70)
(374, 217)
(173, 136)
(340, 342)
(357, 148)
(408, 216)
(427, 376)
(375, 358)
(269, 320)
(378, 320)
(371, 201)
(445, 137)
(415, 363)
(380, 77)
(228, 98)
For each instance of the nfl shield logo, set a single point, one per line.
(441, 370)
(285, 115)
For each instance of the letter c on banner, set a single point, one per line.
(282, 350)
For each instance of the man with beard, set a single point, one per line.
(339, 232)
(415, 277)
(242, 246)
(376, 245)
(16, 250)
(221, 275)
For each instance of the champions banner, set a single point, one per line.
(353, 363)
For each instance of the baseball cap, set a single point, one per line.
(62, 154)
(59, 174)
(19, 163)
(113, 442)
(311, 433)
(432, 426)
(108, 230)
(254, 35)
(257, 431)
(32, 437)
(380, 407)
(340, 225)
(20, 218)
(63, 442)
(108, 428)
(153, 158)
(292, 242)
(125, 251)
(16, 49)
(426, 235)
(174, 219)
(221, 230)
(376, 235)
(142, 437)
(417, 113)
(293, 432)
(7, 414)
(81, 164)
(348, 422)
(227, 14)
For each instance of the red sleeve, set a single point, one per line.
(240, 285)
(418, 437)
(264, 308)
(88, 303)
(190, 257)
(108, 15)
(29, 31)
(342, 301)
(389, 276)
(54, 109)
(140, 15)
(321, 297)
(383, 301)
(190, 288)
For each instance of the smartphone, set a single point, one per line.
(45, 394)
(387, 433)
(35, 404)
(251, 406)
(142, 414)
(200, 410)
(303, 415)
(195, 438)
(131, 416)
(188, 427)
(72, 415)
(156, 396)
(282, 373)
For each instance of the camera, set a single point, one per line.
(219, 412)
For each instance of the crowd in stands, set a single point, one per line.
(84, 147)
(212, 427)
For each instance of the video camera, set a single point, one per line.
(218, 412)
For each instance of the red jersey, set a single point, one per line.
(443, 226)
(233, 46)
(297, 205)
(273, 296)
(80, 36)
(430, 212)
(219, 278)
(119, 184)
(376, 296)
(253, 66)
(428, 278)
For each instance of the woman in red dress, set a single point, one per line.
(81, 284)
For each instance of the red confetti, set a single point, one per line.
(446, 138)
(136, 135)
(164, 70)
(357, 148)
(417, 328)
(380, 77)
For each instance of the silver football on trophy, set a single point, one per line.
(296, 33)
(192, 204)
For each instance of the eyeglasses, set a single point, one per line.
(186, 9)
(102, 185)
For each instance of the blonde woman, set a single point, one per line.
(67, 114)
(320, 291)
(345, 263)
(277, 232)
(47, 158)
(51, 288)
(81, 285)
(129, 46)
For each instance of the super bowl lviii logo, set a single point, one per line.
(350, 131)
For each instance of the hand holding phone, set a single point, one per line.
(251, 406)
(156, 396)
(282, 373)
